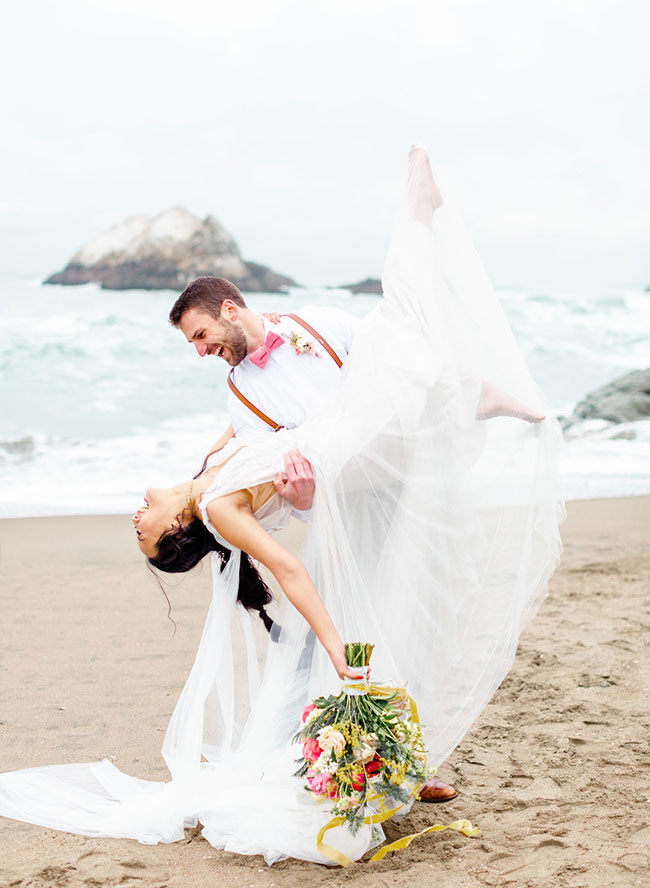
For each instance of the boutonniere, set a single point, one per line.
(302, 346)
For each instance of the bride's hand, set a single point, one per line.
(273, 316)
(342, 669)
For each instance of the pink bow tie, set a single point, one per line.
(261, 355)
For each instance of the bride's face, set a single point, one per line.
(159, 514)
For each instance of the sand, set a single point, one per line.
(555, 772)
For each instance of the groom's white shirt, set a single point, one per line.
(291, 387)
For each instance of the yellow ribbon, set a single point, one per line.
(337, 856)
(334, 853)
(375, 690)
(463, 826)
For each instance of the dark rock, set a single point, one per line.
(370, 285)
(165, 253)
(626, 399)
(262, 279)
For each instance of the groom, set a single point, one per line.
(281, 374)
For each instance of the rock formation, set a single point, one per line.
(369, 285)
(165, 253)
(626, 399)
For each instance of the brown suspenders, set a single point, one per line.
(233, 388)
(328, 348)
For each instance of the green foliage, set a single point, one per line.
(392, 791)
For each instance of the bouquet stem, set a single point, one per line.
(357, 653)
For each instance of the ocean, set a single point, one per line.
(100, 397)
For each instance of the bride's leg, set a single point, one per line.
(424, 198)
(495, 402)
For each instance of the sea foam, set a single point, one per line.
(101, 397)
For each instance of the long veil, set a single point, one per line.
(433, 535)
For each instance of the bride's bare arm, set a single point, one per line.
(232, 517)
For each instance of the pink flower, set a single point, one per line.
(322, 784)
(311, 749)
(307, 710)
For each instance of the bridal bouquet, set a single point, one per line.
(363, 754)
(363, 746)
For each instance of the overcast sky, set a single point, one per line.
(290, 120)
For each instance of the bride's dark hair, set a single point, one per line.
(181, 549)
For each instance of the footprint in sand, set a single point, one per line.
(633, 863)
(93, 869)
(549, 843)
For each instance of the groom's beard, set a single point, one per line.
(235, 341)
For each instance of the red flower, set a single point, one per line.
(357, 780)
(373, 766)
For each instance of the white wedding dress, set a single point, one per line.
(432, 535)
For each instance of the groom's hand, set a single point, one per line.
(298, 487)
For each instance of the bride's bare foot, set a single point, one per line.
(495, 402)
(424, 194)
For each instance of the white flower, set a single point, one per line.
(301, 346)
(324, 764)
(347, 802)
(401, 731)
(320, 764)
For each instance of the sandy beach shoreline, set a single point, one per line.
(552, 772)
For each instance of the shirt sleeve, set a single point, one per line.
(243, 420)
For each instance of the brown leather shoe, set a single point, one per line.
(436, 791)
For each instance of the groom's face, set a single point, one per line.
(211, 336)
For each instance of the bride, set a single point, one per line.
(172, 534)
(432, 535)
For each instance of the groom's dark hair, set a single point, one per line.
(207, 294)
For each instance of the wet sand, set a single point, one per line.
(555, 772)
